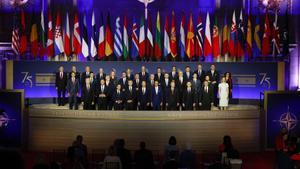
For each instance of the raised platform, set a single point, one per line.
(51, 128)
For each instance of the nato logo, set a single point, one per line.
(288, 120)
(4, 119)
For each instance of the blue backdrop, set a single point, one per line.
(249, 79)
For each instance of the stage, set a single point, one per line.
(51, 127)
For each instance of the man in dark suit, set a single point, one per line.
(172, 100)
(165, 84)
(156, 97)
(180, 85)
(130, 96)
(88, 95)
(200, 73)
(60, 84)
(77, 74)
(118, 98)
(129, 74)
(100, 75)
(137, 82)
(187, 74)
(159, 75)
(189, 101)
(123, 81)
(206, 99)
(144, 74)
(214, 77)
(143, 158)
(144, 97)
(84, 75)
(102, 95)
(196, 83)
(110, 91)
(173, 74)
(151, 81)
(73, 90)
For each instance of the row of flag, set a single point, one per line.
(232, 40)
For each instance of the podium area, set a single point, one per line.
(51, 127)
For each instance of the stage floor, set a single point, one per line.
(56, 107)
(52, 127)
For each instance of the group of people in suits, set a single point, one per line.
(176, 90)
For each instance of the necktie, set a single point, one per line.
(73, 79)
(143, 90)
(61, 75)
(130, 89)
(102, 88)
(206, 89)
(88, 87)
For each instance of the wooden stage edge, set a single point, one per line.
(53, 128)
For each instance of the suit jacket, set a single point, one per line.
(200, 75)
(206, 98)
(61, 83)
(172, 98)
(131, 76)
(164, 85)
(87, 96)
(145, 77)
(118, 97)
(73, 88)
(77, 75)
(137, 85)
(144, 98)
(214, 77)
(189, 98)
(196, 86)
(124, 85)
(99, 77)
(173, 77)
(130, 95)
(84, 75)
(159, 78)
(105, 91)
(186, 77)
(156, 98)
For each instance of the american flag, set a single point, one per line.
(15, 40)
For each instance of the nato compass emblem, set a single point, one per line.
(4, 119)
(288, 120)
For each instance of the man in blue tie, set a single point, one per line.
(73, 89)
(157, 96)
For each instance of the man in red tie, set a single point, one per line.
(60, 85)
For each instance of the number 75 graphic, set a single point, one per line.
(27, 79)
(265, 80)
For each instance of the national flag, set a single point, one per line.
(241, 37)
(15, 39)
(93, 37)
(199, 37)
(101, 42)
(76, 36)
(85, 47)
(167, 49)
(67, 37)
(207, 39)
(249, 37)
(135, 41)
(118, 48)
(108, 38)
(275, 36)
(142, 39)
(42, 31)
(173, 42)
(216, 40)
(233, 36)
(182, 36)
(34, 37)
(190, 43)
(266, 37)
(225, 43)
(157, 45)
(23, 37)
(256, 37)
(125, 39)
(149, 42)
(285, 35)
(58, 41)
(50, 44)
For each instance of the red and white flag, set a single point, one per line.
(76, 36)
(207, 39)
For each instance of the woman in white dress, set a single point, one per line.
(223, 94)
